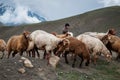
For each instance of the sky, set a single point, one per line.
(58, 9)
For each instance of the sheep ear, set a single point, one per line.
(65, 42)
(26, 34)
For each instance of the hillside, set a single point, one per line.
(98, 20)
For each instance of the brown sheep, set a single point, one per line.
(18, 43)
(113, 42)
(77, 48)
(111, 31)
(2, 47)
(62, 36)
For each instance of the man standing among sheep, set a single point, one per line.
(66, 28)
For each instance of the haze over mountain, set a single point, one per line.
(16, 15)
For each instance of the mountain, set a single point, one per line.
(11, 15)
(98, 20)
(32, 14)
(4, 8)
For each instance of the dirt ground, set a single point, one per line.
(42, 71)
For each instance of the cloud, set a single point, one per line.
(51, 9)
(57, 9)
(46, 8)
(18, 16)
(107, 3)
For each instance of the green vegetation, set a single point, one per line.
(72, 76)
(102, 71)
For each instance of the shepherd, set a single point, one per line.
(66, 28)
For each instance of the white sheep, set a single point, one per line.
(95, 46)
(44, 41)
(96, 34)
(100, 35)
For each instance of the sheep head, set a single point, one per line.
(108, 57)
(26, 34)
(105, 39)
(112, 38)
(112, 32)
(62, 46)
(69, 34)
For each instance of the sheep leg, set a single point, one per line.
(33, 53)
(65, 54)
(118, 56)
(87, 62)
(14, 53)
(44, 56)
(109, 48)
(73, 65)
(48, 57)
(81, 60)
(21, 53)
(110, 51)
(9, 52)
(29, 54)
(95, 58)
(37, 53)
(3, 55)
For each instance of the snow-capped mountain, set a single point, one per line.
(16, 15)
(32, 14)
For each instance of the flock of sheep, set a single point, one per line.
(88, 46)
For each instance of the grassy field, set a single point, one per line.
(103, 71)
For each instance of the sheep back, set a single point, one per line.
(45, 40)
